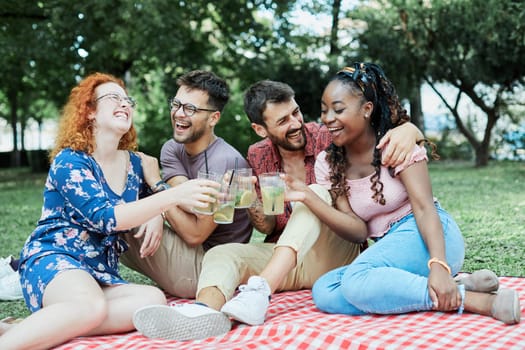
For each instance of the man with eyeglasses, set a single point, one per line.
(194, 111)
(292, 263)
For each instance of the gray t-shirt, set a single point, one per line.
(221, 157)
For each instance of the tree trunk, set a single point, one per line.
(334, 47)
(482, 155)
(23, 126)
(12, 96)
(482, 152)
(416, 110)
(481, 148)
(39, 121)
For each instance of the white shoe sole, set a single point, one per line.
(160, 321)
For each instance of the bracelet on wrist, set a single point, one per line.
(440, 262)
(160, 186)
(461, 288)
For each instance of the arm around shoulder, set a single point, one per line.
(398, 144)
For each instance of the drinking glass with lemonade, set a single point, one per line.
(210, 209)
(245, 193)
(272, 192)
(225, 204)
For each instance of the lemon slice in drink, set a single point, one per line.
(220, 217)
(246, 199)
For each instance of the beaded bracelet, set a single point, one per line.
(440, 262)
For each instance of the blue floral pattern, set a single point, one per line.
(77, 227)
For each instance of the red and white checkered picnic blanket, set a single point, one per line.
(293, 322)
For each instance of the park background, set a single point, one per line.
(464, 58)
(457, 64)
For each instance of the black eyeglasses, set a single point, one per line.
(187, 108)
(118, 99)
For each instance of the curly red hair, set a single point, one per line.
(75, 128)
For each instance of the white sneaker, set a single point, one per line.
(10, 288)
(251, 304)
(181, 322)
(5, 266)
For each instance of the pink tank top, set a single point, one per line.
(378, 217)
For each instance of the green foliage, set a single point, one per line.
(446, 41)
(382, 42)
(452, 147)
(234, 125)
(308, 81)
(152, 117)
(35, 64)
(46, 46)
(471, 50)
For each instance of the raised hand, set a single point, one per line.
(195, 193)
(295, 189)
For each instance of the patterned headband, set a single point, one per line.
(358, 74)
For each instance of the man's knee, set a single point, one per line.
(222, 252)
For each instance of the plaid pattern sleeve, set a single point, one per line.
(264, 157)
(293, 322)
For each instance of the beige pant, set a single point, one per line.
(175, 266)
(319, 250)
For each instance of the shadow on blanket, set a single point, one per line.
(293, 322)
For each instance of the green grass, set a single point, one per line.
(489, 207)
(487, 203)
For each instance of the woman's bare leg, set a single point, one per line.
(76, 305)
(122, 301)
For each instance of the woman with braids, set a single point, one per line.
(69, 264)
(418, 245)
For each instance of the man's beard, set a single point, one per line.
(192, 137)
(287, 145)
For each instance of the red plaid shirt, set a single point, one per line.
(264, 157)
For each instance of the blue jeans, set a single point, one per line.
(390, 277)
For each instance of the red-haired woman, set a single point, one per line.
(69, 264)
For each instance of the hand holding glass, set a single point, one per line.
(210, 209)
(272, 192)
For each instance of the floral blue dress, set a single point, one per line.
(77, 226)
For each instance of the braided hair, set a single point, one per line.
(369, 81)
